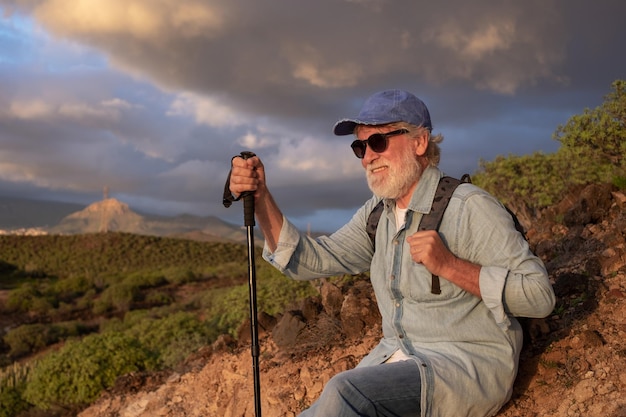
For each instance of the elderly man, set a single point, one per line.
(448, 352)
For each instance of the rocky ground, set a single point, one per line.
(574, 363)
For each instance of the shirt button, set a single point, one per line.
(395, 242)
(397, 304)
(392, 277)
(401, 336)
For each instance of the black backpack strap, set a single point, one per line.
(430, 221)
(372, 221)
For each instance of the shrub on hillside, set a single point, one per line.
(228, 269)
(274, 292)
(158, 298)
(72, 287)
(79, 371)
(29, 299)
(600, 133)
(11, 402)
(173, 337)
(12, 384)
(538, 179)
(118, 297)
(29, 338)
(145, 280)
(180, 276)
(592, 151)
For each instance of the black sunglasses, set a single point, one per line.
(377, 142)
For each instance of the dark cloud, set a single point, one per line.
(154, 98)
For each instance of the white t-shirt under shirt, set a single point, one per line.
(399, 355)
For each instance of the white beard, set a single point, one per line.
(398, 179)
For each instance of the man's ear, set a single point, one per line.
(421, 144)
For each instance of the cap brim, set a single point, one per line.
(344, 127)
(347, 126)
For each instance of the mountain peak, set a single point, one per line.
(105, 215)
(111, 206)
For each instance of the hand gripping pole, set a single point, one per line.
(248, 218)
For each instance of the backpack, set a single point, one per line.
(432, 220)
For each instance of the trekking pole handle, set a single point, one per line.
(248, 198)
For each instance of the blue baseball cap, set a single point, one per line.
(387, 106)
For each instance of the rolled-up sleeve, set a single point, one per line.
(347, 251)
(523, 294)
(528, 292)
(287, 243)
(513, 280)
(491, 282)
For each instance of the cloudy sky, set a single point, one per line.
(152, 98)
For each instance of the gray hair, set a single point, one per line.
(433, 152)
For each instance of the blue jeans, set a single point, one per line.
(386, 390)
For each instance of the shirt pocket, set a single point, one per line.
(417, 285)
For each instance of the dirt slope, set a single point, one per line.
(573, 365)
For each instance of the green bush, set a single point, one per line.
(29, 338)
(118, 297)
(11, 402)
(72, 287)
(12, 385)
(171, 338)
(158, 298)
(538, 180)
(232, 310)
(145, 280)
(620, 182)
(599, 134)
(28, 298)
(228, 269)
(79, 371)
(231, 307)
(593, 146)
(21, 298)
(180, 276)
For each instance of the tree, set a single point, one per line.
(592, 151)
(600, 134)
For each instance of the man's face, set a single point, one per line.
(394, 172)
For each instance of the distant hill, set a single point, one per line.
(112, 215)
(103, 216)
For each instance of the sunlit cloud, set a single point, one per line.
(205, 110)
(135, 18)
(309, 65)
(479, 43)
(30, 109)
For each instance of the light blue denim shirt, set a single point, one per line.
(467, 347)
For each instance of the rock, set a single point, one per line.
(591, 338)
(286, 332)
(332, 299)
(593, 202)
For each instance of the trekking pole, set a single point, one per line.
(248, 218)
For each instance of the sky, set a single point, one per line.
(151, 99)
